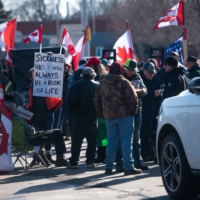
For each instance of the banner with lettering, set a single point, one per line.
(48, 75)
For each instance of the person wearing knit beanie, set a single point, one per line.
(175, 79)
(170, 63)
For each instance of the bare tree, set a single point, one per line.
(36, 10)
(4, 15)
(143, 16)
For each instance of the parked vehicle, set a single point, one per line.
(178, 143)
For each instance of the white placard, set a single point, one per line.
(48, 75)
(22, 112)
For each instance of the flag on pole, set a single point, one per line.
(173, 17)
(177, 47)
(7, 38)
(124, 47)
(35, 36)
(67, 42)
(7, 35)
(80, 46)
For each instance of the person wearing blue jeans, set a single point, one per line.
(131, 74)
(116, 101)
(123, 129)
(136, 148)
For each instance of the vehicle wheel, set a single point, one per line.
(175, 170)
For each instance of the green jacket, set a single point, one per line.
(194, 72)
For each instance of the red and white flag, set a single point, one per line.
(7, 38)
(173, 17)
(7, 35)
(124, 48)
(79, 53)
(6, 143)
(67, 42)
(35, 36)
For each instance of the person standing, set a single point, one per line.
(131, 74)
(150, 108)
(81, 107)
(175, 79)
(193, 67)
(100, 70)
(64, 116)
(116, 101)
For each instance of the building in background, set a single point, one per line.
(102, 37)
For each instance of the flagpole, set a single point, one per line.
(130, 38)
(62, 41)
(41, 44)
(185, 51)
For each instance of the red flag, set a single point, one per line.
(173, 17)
(124, 48)
(35, 36)
(7, 35)
(7, 38)
(79, 53)
(67, 42)
(158, 59)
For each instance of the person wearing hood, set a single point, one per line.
(76, 76)
(175, 79)
(116, 101)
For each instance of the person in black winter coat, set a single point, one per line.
(81, 107)
(150, 108)
(175, 79)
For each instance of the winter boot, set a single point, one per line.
(60, 161)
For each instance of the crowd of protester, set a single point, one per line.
(127, 96)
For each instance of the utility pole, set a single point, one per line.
(85, 23)
(57, 24)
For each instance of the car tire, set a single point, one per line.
(175, 170)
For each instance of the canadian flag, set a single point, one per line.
(79, 53)
(35, 36)
(7, 38)
(67, 42)
(6, 143)
(124, 48)
(173, 17)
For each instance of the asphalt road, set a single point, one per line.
(60, 183)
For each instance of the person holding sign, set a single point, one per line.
(42, 105)
(81, 106)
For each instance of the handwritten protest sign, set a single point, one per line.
(48, 75)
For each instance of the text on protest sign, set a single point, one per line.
(48, 75)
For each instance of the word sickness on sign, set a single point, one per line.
(48, 75)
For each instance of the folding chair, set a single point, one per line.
(20, 146)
